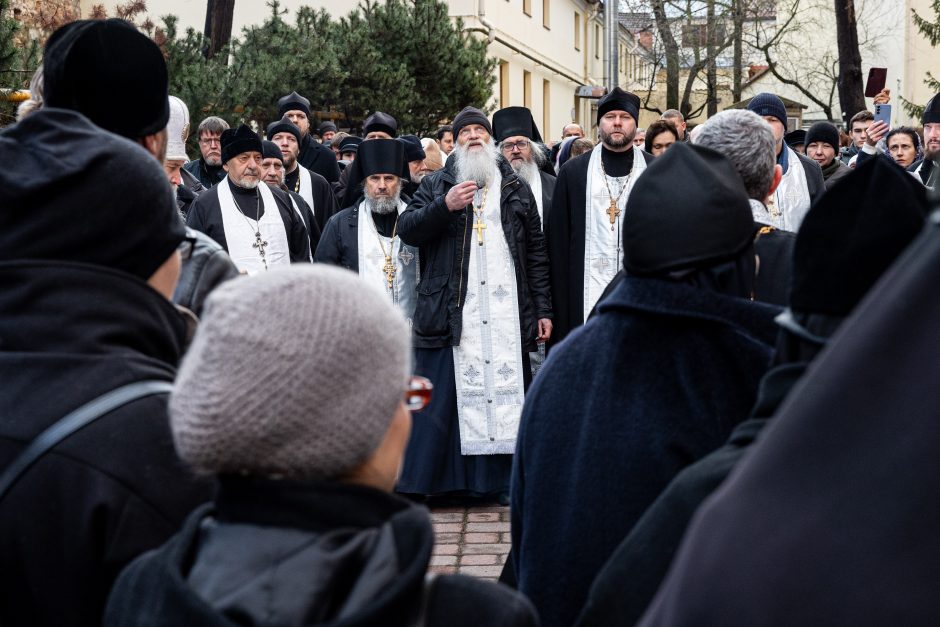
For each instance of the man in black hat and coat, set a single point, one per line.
(830, 519)
(483, 303)
(655, 380)
(584, 226)
(313, 155)
(256, 224)
(379, 125)
(874, 218)
(272, 173)
(85, 310)
(313, 188)
(364, 238)
(521, 145)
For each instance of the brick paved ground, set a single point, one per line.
(470, 540)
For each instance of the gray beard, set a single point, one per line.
(478, 166)
(383, 205)
(527, 171)
(246, 184)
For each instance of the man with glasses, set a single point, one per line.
(521, 145)
(207, 169)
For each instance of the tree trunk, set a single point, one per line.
(711, 51)
(218, 31)
(851, 92)
(738, 35)
(671, 49)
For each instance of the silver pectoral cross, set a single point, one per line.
(260, 244)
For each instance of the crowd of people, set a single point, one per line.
(695, 363)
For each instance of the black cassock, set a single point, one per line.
(205, 215)
(564, 233)
(318, 158)
(340, 242)
(324, 202)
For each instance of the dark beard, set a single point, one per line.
(612, 143)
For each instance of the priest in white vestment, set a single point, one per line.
(483, 302)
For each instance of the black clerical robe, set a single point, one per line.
(564, 233)
(205, 215)
(340, 242)
(548, 190)
(207, 175)
(318, 158)
(324, 201)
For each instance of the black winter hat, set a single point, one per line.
(931, 111)
(284, 125)
(235, 141)
(327, 127)
(293, 102)
(470, 115)
(823, 132)
(90, 65)
(852, 234)
(704, 221)
(380, 122)
(128, 219)
(766, 103)
(513, 122)
(350, 144)
(795, 138)
(380, 156)
(270, 150)
(619, 100)
(414, 151)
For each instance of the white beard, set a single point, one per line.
(478, 166)
(383, 205)
(527, 171)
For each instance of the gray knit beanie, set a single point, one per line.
(293, 373)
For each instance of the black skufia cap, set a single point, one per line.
(293, 102)
(619, 100)
(379, 121)
(795, 138)
(91, 65)
(235, 141)
(931, 111)
(380, 156)
(284, 125)
(852, 234)
(414, 151)
(515, 121)
(350, 144)
(704, 220)
(270, 150)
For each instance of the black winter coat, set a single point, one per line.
(292, 554)
(444, 239)
(318, 158)
(208, 267)
(69, 333)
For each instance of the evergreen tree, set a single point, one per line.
(8, 59)
(930, 29)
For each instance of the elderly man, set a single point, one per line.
(207, 169)
(313, 188)
(256, 224)
(483, 303)
(312, 154)
(802, 181)
(521, 145)
(327, 132)
(749, 143)
(414, 157)
(85, 310)
(655, 380)
(822, 146)
(272, 173)
(584, 227)
(676, 118)
(364, 238)
(175, 157)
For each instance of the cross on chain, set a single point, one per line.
(479, 226)
(389, 270)
(614, 212)
(260, 244)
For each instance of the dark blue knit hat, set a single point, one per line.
(769, 104)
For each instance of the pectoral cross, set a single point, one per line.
(260, 244)
(389, 270)
(613, 211)
(479, 226)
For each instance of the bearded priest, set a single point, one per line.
(584, 226)
(482, 304)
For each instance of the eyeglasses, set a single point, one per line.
(208, 141)
(522, 144)
(186, 247)
(418, 394)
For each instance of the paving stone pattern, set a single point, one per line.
(470, 540)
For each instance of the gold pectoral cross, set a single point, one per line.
(389, 270)
(613, 211)
(260, 244)
(479, 226)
